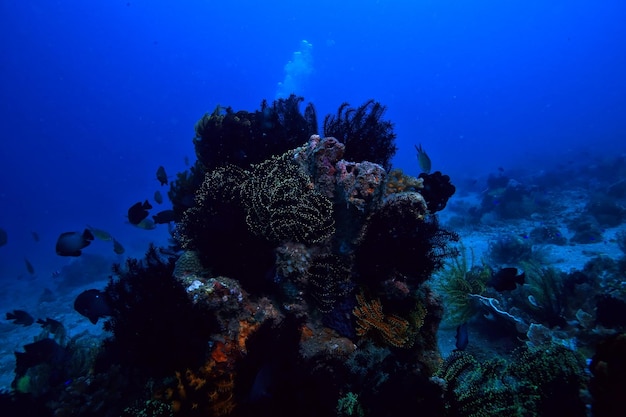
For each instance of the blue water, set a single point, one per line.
(96, 95)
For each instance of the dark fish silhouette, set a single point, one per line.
(138, 211)
(158, 198)
(29, 267)
(117, 247)
(3, 237)
(71, 243)
(51, 325)
(462, 338)
(161, 176)
(92, 304)
(20, 317)
(42, 351)
(35, 236)
(506, 279)
(165, 216)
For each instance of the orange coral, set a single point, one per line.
(398, 182)
(218, 353)
(245, 329)
(393, 329)
(209, 388)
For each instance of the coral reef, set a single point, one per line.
(291, 265)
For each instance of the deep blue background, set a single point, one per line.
(97, 94)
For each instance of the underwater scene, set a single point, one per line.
(314, 208)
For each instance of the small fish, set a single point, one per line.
(165, 216)
(423, 159)
(462, 339)
(161, 176)
(3, 237)
(506, 279)
(138, 211)
(71, 243)
(51, 325)
(117, 247)
(29, 267)
(100, 234)
(158, 198)
(146, 224)
(92, 304)
(20, 317)
(35, 236)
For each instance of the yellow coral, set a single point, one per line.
(393, 329)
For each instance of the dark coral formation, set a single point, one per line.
(152, 314)
(243, 138)
(364, 132)
(436, 189)
(608, 382)
(415, 244)
(183, 189)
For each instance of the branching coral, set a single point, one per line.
(366, 135)
(393, 330)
